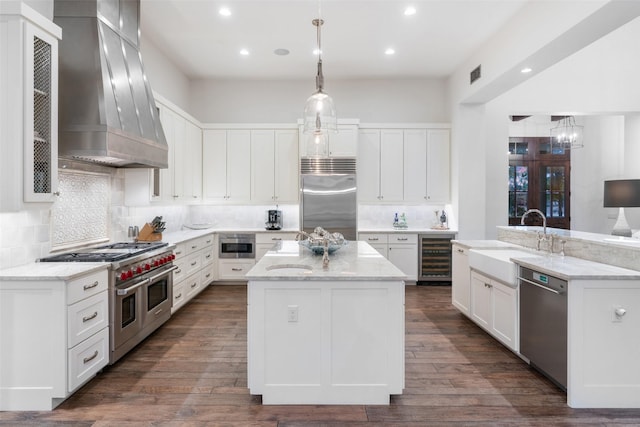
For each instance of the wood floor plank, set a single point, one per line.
(193, 373)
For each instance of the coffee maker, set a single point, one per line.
(273, 220)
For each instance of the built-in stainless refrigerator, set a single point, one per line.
(328, 195)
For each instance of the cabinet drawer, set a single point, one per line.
(207, 257)
(192, 285)
(228, 270)
(86, 286)
(373, 238)
(207, 275)
(178, 295)
(181, 250)
(180, 273)
(86, 317)
(403, 238)
(205, 241)
(87, 358)
(271, 238)
(193, 264)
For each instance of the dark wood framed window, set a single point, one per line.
(539, 177)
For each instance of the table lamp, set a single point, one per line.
(622, 193)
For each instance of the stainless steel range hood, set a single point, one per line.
(107, 113)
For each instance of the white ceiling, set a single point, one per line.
(431, 43)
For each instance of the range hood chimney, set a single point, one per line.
(107, 113)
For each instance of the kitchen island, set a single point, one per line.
(330, 335)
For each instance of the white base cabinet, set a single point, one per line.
(196, 264)
(399, 248)
(603, 348)
(494, 307)
(54, 337)
(234, 269)
(345, 344)
(461, 280)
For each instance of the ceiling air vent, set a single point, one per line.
(475, 74)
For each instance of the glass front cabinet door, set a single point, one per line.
(29, 106)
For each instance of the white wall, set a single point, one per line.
(163, 75)
(600, 79)
(280, 101)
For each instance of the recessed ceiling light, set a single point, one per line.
(526, 70)
(410, 11)
(389, 51)
(244, 52)
(281, 52)
(224, 11)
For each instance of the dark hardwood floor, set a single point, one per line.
(192, 372)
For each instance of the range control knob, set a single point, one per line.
(147, 266)
(138, 269)
(129, 274)
(156, 263)
(123, 276)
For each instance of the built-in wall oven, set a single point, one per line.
(237, 245)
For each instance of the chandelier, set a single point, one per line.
(566, 134)
(319, 111)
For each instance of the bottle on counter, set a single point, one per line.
(443, 218)
(395, 220)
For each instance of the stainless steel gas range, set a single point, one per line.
(140, 288)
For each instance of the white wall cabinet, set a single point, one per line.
(399, 248)
(63, 340)
(461, 279)
(410, 165)
(181, 181)
(494, 307)
(426, 165)
(274, 166)
(28, 106)
(438, 166)
(380, 165)
(226, 160)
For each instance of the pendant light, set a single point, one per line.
(567, 135)
(319, 111)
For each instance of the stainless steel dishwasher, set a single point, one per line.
(543, 323)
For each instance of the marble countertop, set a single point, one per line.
(485, 244)
(606, 239)
(570, 268)
(356, 261)
(51, 270)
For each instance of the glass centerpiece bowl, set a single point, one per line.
(320, 239)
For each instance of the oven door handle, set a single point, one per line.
(164, 273)
(131, 288)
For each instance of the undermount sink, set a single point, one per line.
(497, 263)
(290, 268)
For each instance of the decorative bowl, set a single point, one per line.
(318, 249)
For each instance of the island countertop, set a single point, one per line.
(357, 260)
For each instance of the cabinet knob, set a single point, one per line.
(57, 193)
(620, 312)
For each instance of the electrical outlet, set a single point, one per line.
(292, 313)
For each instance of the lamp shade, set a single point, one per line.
(320, 114)
(622, 193)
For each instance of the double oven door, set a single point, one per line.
(140, 306)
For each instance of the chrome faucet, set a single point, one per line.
(540, 237)
(539, 212)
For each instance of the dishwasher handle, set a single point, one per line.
(540, 286)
